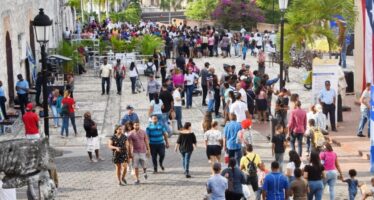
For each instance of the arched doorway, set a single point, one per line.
(9, 63)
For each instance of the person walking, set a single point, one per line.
(240, 109)
(153, 87)
(279, 144)
(299, 187)
(297, 126)
(327, 98)
(105, 74)
(213, 142)
(93, 141)
(245, 135)
(204, 82)
(67, 111)
(275, 184)
(235, 179)
(168, 101)
(314, 173)
(281, 107)
(119, 72)
(22, 88)
(53, 100)
(249, 164)
(186, 143)
(365, 111)
(230, 134)
(139, 150)
(177, 107)
(133, 74)
(217, 184)
(158, 141)
(294, 163)
(189, 79)
(31, 122)
(119, 145)
(2, 101)
(332, 168)
(131, 116)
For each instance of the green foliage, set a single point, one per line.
(148, 43)
(76, 4)
(133, 13)
(200, 9)
(68, 50)
(309, 22)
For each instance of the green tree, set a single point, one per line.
(200, 9)
(308, 20)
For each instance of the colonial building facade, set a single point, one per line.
(17, 35)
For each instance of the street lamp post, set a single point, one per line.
(42, 24)
(282, 6)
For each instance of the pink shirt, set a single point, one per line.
(328, 158)
(178, 79)
(297, 122)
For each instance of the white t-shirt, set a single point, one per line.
(105, 70)
(213, 137)
(239, 108)
(133, 73)
(157, 107)
(365, 95)
(177, 98)
(292, 167)
(243, 95)
(190, 78)
(8, 194)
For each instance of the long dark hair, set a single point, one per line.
(314, 159)
(155, 97)
(232, 164)
(132, 65)
(295, 158)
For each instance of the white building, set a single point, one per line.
(16, 33)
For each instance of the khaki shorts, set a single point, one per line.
(139, 160)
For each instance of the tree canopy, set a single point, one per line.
(200, 9)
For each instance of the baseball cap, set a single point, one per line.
(129, 107)
(29, 106)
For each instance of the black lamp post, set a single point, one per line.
(282, 6)
(42, 24)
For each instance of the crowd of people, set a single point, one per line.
(238, 98)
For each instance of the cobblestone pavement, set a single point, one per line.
(80, 179)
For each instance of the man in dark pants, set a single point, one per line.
(119, 74)
(22, 88)
(327, 98)
(204, 83)
(105, 73)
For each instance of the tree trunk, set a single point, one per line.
(107, 8)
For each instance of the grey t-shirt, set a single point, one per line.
(217, 185)
(204, 75)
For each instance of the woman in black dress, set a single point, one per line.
(120, 147)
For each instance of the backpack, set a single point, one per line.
(64, 109)
(251, 167)
(148, 70)
(319, 138)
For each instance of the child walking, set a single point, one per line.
(352, 184)
(279, 143)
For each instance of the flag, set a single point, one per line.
(368, 12)
(31, 61)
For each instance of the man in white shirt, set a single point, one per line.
(242, 92)
(240, 109)
(365, 111)
(105, 74)
(327, 97)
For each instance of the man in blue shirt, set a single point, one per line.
(327, 97)
(158, 141)
(229, 141)
(131, 116)
(22, 88)
(275, 184)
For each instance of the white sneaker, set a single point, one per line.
(94, 160)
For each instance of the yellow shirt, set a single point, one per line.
(244, 160)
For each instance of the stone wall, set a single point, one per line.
(15, 18)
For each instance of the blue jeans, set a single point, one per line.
(178, 115)
(165, 118)
(65, 125)
(365, 116)
(299, 138)
(259, 193)
(186, 156)
(308, 144)
(235, 153)
(331, 177)
(211, 105)
(55, 115)
(189, 91)
(244, 54)
(316, 190)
